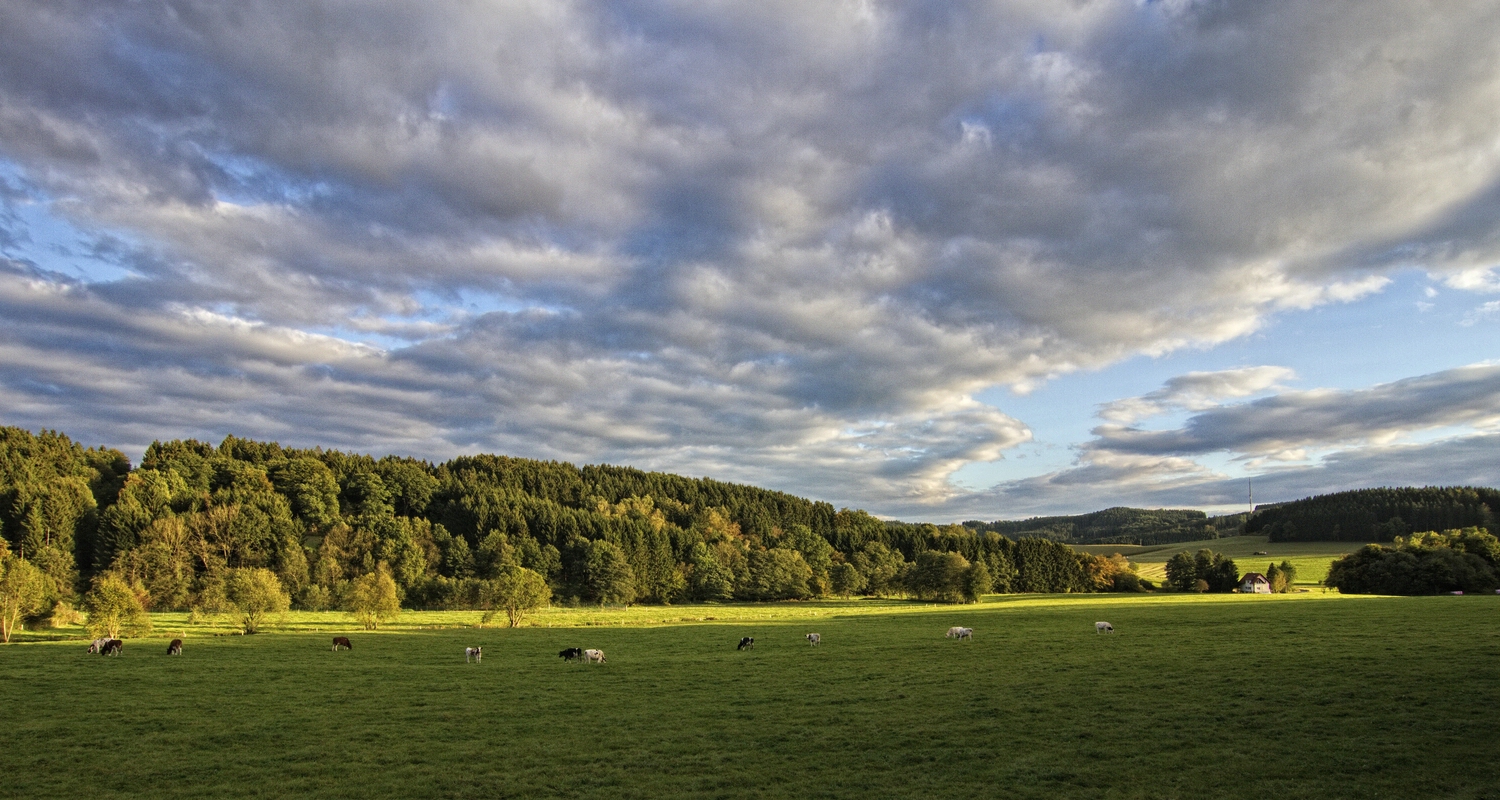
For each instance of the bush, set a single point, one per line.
(1429, 563)
(255, 594)
(62, 615)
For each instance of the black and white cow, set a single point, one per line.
(473, 654)
(113, 647)
(813, 639)
(570, 654)
(747, 643)
(175, 648)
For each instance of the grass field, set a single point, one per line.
(1310, 558)
(1291, 696)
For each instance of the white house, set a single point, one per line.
(1255, 583)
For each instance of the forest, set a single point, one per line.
(1139, 526)
(1377, 515)
(194, 521)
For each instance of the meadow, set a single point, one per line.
(1310, 558)
(1289, 696)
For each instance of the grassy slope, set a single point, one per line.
(1310, 558)
(1291, 696)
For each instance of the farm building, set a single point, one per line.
(1255, 583)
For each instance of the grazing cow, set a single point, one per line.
(473, 654)
(747, 643)
(570, 654)
(342, 641)
(593, 656)
(956, 632)
(113, 647)
(813, 639)
(175, 648)
(97, 646)
(1103, 627)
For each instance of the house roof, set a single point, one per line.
(1253, 576)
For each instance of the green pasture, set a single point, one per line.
(1289, 696)
(1310, 558)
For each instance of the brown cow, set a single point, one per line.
(342, 641)
(113, 647)
(175, 648)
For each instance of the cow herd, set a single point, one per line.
(113, 647)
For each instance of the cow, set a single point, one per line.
(747, 643)
(113, 647)
(97, 646)
(813, 639)
(342, 641)
(593, 656)
(570, 654)
(175, 648)
(1103, 627)
(473, 653)
(956, 632)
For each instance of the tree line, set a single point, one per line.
(1377, 515)
(1463, 560)
(1119, 525)
(200, 526)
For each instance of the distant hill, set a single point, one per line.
(1119, 525)
(1377, 515)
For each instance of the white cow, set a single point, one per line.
(1103, 627)
(97, 646)
(473, 653)
(593, 656)
(956, 632)
(813, 639)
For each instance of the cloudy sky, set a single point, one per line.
(940, 260)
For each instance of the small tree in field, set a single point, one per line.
(255, 594)
(373, 598)
(516, 590)
(23, 589)
(115, 608)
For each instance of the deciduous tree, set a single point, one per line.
(256, 594)
(23, 590)
(373, 598)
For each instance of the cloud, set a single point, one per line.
(1196, 391)
(779, 242)
(1467, 396)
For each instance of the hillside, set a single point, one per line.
(1138, 526)
(1377, 515)
(178, 526)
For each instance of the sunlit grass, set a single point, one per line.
(1195, 695)
(1310, 558)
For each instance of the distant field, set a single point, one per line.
(1290, 696)
(1310, 558)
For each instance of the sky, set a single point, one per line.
(936, 260)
